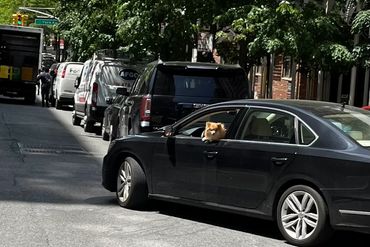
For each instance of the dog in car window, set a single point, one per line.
(213, 132)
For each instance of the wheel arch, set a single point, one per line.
(292, 182)
(117, 161)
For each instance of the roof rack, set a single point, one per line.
(119, 56)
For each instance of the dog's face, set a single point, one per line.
(214, 131)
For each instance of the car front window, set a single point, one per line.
(196, 127)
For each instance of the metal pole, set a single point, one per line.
(271, 71)
(293, 83)
(340, 85)
(320, 79)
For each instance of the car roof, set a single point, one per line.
(196, 65)
(294, 105)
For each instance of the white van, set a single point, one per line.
(63, 87)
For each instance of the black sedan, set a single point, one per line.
(111, 117)
(305, 164)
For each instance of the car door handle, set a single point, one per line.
(210, 154)
(279, 161)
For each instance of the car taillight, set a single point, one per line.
(145, 111)
(94, 96)
(64, 73)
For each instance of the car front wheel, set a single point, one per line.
(302, 216)
(132, 190)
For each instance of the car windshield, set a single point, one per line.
(202, 84)
(352, 121)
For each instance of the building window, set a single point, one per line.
(287, 67)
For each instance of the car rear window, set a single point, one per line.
(73, 70)
(202, 83)
(354, 122)
(116, 75)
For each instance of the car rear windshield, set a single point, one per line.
(111, 75)
(73, 70)
(229, 84)
(353, 121)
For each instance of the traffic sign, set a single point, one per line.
(46, 21)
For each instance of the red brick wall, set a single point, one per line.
(280, 87)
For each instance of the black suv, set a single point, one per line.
(167, 91)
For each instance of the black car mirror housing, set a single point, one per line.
(169, 131)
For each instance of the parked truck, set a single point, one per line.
(20, 61)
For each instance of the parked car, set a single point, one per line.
(96, 87)
(53, 71)
(63, 87)
(111, 116)
(167, 91)
(305, 164)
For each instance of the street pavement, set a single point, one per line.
(51, 195)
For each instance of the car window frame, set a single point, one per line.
(297, 120)
(232, 128)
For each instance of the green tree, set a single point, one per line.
(87, 26)
(304, 32)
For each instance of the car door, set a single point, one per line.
(248, 164)
(180, 168)
(81, 91)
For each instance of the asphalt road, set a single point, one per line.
(51, 195)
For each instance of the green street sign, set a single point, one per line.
(47, 22)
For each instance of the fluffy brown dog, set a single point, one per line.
(213, 132)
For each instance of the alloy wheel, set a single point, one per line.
(299, 215)
(124, 182)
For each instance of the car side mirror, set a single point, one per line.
(169, 131)
(109, 100)
(77, 82)
(122, 91)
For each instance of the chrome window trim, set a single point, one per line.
(296, 121)
(354, 212)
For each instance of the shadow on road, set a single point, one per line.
(247, 224)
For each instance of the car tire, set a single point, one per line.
(76, 120)
(89, 126)
(302, 216)
(112, 135)
(132, 189)
(58, 105)
(98, 129)
(52, 101)
(105, 135)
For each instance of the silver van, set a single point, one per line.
(96, 87)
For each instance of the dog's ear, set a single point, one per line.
(208, 124)
(220, 126)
